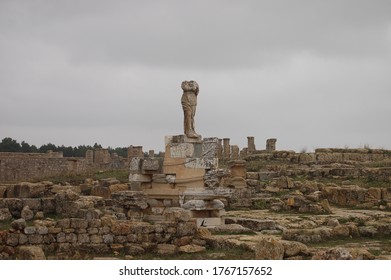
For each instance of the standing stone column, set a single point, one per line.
(271, 145)
(220, 149)
(250, 144)
(151, 153)
(226, 149)
(243, 153)
(135, 151)
(235, 152)
(90, 156)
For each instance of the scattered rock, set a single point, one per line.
(269, 249)
(191, 248)
(167, 249)
(19, 224)
(294, 248)
(30, 253)
(5, 215)
(337, 253)
(27, 214)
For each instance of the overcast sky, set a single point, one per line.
(309, 73)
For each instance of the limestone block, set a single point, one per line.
(238, 182)
(133, 249)
(39, 215)
(269, 250)
(191, 248)
(27, 214)
(135, 214)
(20, 190)
(143, 178)
(78, 223)
(19, 224)
(61, 237)
(12, 239)
(294, 248)
(201, 163)
(120, 227)
(5, 215)
(210, 148)
(108, 238)
(135, 165)
(159, 178)
(73, 189)
(341, 231)
(118, 187)
(130, 199)
(209, 222)
(187, 228)
(14, 204)
(267, 175)
(337, 253)
(284, 183)
(375, 193)
(95, 238)
(30, 253)
(35, 239)
(108, 182)
(23, 239)
(150, 164)
(33, 203)
(307, 158)
(135, 186)
(101, 191)
(177, 214)
(252, 175)
(71, 237)
(166, 249)
(42, 230)
(183, 150)
(2, 191)
(48, 205)
(194, 205)
(237, 168)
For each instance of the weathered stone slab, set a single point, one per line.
(150, 164)
(30, 253)
(140, 178)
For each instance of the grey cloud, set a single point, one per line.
(311, 73)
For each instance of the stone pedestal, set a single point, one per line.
(179, 180)
(188, 158)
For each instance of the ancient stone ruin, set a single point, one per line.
(200, 197)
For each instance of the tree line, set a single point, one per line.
(11, 145)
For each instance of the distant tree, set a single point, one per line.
(25, 147)
(10, 145)
(97, 146)
(123, 152)
(48, 147)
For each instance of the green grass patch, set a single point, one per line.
(209, 254)
(385, 242)
(250, 233)
(6, 225)
(76, 179)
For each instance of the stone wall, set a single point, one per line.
(324, 156)
(67, 237)
(88, 224)
(16, 167)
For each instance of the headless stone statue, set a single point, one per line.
(189, 104)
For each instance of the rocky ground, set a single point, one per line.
(328, 205)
